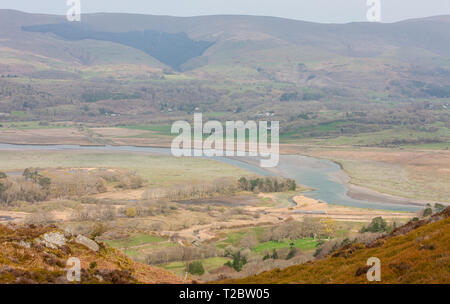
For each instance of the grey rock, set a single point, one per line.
(68, 233)
(82, 240)
(39, 242)
(54, 238)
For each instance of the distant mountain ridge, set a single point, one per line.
(217, 47)
(170, 49)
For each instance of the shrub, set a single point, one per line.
(196, 268)
(238, 261)
(378, 224)
(427, 212)
(131, 212)
(275, 254)
(437, 206)
(291, 254)
(98, 229)
(268, 184)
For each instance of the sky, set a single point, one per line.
(324, 11)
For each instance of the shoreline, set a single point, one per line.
(363, 193)
(355, 191)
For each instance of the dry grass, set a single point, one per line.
(158, 170)
(413, 174)
(40, 264)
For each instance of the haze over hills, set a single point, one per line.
(275, 45)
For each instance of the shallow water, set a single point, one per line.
(318, 174)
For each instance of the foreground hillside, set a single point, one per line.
(37, 254)
(418, 252)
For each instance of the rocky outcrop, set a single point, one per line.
(82, 240)
(35, 254)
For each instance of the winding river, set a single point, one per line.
(324, 177)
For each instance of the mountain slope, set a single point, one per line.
(227, 65)
(38, 254)
(254, 48)
(170, 49)
(417, 252)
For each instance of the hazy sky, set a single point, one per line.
(309, 10)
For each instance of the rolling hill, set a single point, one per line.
(121, 69)
(235, 47)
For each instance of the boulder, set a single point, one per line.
(82, 240)
(53, 240)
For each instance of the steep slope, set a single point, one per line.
(418, 252)
(170, 49)
(38, 254)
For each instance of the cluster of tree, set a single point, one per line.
(439, 207)
(378, 224)
(184, 254)
(238, 261)
(35, 177)
(195, 268)
(123, 179)
(95, 213)
(429, 210)
(35, 185)
(31, 187)
(327, 247)
(75, 184)
(267, 184)
(292, 230)
(147, 208)
(273, 256)
(222, 186)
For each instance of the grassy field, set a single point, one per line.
(135, 240)
(164, 130)
(158, 170)
(138, 245)
(234, 237)
(303, 244)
